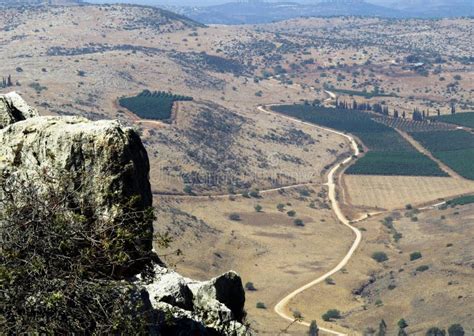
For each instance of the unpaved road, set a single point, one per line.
(281, 307)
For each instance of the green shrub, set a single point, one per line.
(402, 324)
(234, 217)
(456, 330)
(298, 222)
(261, 305)
(258, 208)
(415, 256)
(68, 266)
(313, 329)
(291, 213)
(329, 281)
(331, 314)
(434, 331)
(422, 268)
(380, 256)
(250, 286)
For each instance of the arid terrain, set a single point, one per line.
(239, 187)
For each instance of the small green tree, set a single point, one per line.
(422, 268)
(234, 217)
(281, 207)
(258, 208)
(402, 332)
(255, 193)
(382, 328)
(379, 256)
(331, 314)
(291, 213)
(298, 222)
(456, 330)
(434, 331)
(415, 256)
(402, 324)
(313, 329)
(261, 305)
(188, 190)
(250, 286)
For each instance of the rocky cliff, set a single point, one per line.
(75, 203)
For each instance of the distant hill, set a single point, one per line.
(434, 8)
(263, 12)
(254, 12)
(11, 3)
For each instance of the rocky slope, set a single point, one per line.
(103, 170)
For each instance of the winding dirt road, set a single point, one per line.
(281, 307)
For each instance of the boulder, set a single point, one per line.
(106, 162)
(13, 109)
(218, 303)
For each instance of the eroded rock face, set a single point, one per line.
(107, 161)
(105, 164)
(218, 303)
(13, 109)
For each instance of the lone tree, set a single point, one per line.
(380, 256)
(382, 328)
(313, 329)
(331, 314)
(456, 330)
(402, 324)
(434, 331)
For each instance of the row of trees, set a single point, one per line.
(6, 82)
(164, 95)
(453, 330)
(384, 110)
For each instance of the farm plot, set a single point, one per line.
(152, 105)
(454, 148)
(390, 153)
(462, 119)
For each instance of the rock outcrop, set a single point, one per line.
(13, 109)
(105, 165)
(218, 303)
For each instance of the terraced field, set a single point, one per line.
(390, 153)
(454, 148)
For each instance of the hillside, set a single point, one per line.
(265, 12)
(18, 3)
(238, 185)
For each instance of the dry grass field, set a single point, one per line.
(265, 247)
(395, 192)
(368, 292)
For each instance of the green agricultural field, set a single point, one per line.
(395, 163)
(464, 200)
(365, 94)
(152, 105)
(454, 148)
(389, 153)
(462, 119)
